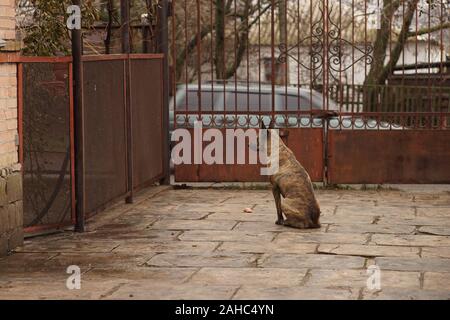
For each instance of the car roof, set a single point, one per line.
(252, 88)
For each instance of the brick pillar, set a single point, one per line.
(11, 207)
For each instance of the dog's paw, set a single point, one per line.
(279, 222)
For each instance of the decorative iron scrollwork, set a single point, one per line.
(330, 53)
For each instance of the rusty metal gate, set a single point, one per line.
(46, 133)
(360, 89)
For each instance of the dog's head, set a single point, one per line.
(263, 145)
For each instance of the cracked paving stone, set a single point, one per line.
(139, 290)
(410, 240)
(169, 224)
(143, 247)
(436, 253)
(85, 261)
(249, 277)
(70, 246)
(415, 221)
(294, 293)
(401, 294)
(371, 228)
(305, 237)
(241, 216)
(436, 281)
(205, 260)
(149, 234)
(433, 212)
(382, 210)
(356, 219)
(312, 261)
(54, 288)
(184, 215)
(368, 250)
(25, 263)
(358, 279)
(154, 275)
(438, 231)
(257, 247)
(271, 226)
(413, 264)
(233, 236)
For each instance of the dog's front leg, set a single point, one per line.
(277, 195)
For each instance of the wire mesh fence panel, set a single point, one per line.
(105, 132)
(46, 149)
(147, 108)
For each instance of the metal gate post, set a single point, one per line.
(163, 47)
(126, 48)
(77, 52)
(325, 88)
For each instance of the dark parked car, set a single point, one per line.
(239, 106)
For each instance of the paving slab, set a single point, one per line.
(157, 276)
(373, 210)
(305, 237)
(139, 290)
(294, 293)
(172, 224)
(371, 228)
(258, 247)
(190, 260)
(332, 279)
(319, 261)
(435, 252)
(233, 236)
(140, 246)
(410, 240)
(436, 281)
(413, 264)
(368, 250)
(437, 231)
(402, 294)
(259, 277)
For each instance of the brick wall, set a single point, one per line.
(11, 216)
(7, 20)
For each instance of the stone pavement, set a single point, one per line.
(199, 244)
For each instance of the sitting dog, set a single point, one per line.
(292, 182)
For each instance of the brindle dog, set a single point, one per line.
(293, 183)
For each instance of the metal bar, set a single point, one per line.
(16, 58)
(77, 52)
(163, 44)
(51, 227)
(72, 145)
(425, 65)
(129, 130)
(126, 49)
(125, 25)
(272, 56)
(20, 112)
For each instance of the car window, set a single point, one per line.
(192, 102)
(296, 103)
(317, 96)
(248, 101)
